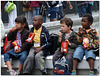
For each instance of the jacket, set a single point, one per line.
(72, 39)
(24, 35)
(44, 39)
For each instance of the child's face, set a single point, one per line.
(36, 21)
(65, 28)
(19, 25)
(85, 23)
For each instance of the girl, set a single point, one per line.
(20, 34)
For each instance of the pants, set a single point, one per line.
(33, 59)
(35, 11)
(29, 16)
(12, 16)
(69, 58)
(11, 54)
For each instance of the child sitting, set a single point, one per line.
(39, 47)
(92, 42)
(20, 34)
(66, 34)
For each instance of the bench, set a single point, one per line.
(83, 67)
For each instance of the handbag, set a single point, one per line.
(9, 7)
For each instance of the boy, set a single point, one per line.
(66, 34)
(91, 34)
(39, 49)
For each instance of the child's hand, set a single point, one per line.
(18, 51)
(60, 36)
(14, 28)
(68, 42)
(38, 50)
(80, 30)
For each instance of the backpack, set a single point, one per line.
(61, 67)
(54, 40)
(9, 7)
(53, 3)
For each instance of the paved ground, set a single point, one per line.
(72, 16)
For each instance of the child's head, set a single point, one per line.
(37, 21)
(66, 24)
(21, 22)
(86, 21)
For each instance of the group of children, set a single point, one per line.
(34, 53)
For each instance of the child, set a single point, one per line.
(87, 32)
(20, 33)
(66, 34)
(39, 49)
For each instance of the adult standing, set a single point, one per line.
(28, 11)
(36, 7)
(53, 9)
(12, 16)
(82, 7)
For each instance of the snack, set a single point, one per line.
(64, 47)
(85, 42)
(30, 38)
(16, 46)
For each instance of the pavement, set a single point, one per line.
(55, 25)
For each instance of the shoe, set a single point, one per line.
(91, 73)
(17, 72)
(12, 72)
(44, 73)
(73, 72)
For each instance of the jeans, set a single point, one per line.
(35, 11)
(11, 54)
(82, 10)
(80, 51)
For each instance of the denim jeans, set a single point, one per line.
(82, 10)
(11, 54)
(35, 11)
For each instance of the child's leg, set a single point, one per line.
(78, 56)
(40, 62)
(90, 57)
(69, 58)
(56, 56)
(20, 67)
(29, 62)
(9, 65)
(91, 63)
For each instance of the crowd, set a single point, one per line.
(34, 52)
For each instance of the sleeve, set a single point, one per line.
(26, 45)
(95, 42)
(47, 38)
(11, 35)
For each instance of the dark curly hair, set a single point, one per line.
(89, 17)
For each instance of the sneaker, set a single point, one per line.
(12, 72)
(44, 73)
(73, 72)
(17, 72)
(91, 73)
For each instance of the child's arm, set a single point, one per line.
(95, 42)
(11, 34)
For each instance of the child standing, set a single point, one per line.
(20, 33)
(39, 47)
(66, 34)
(87, 32)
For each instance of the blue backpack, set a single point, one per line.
(61, 67)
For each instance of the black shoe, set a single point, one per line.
(44, 73)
